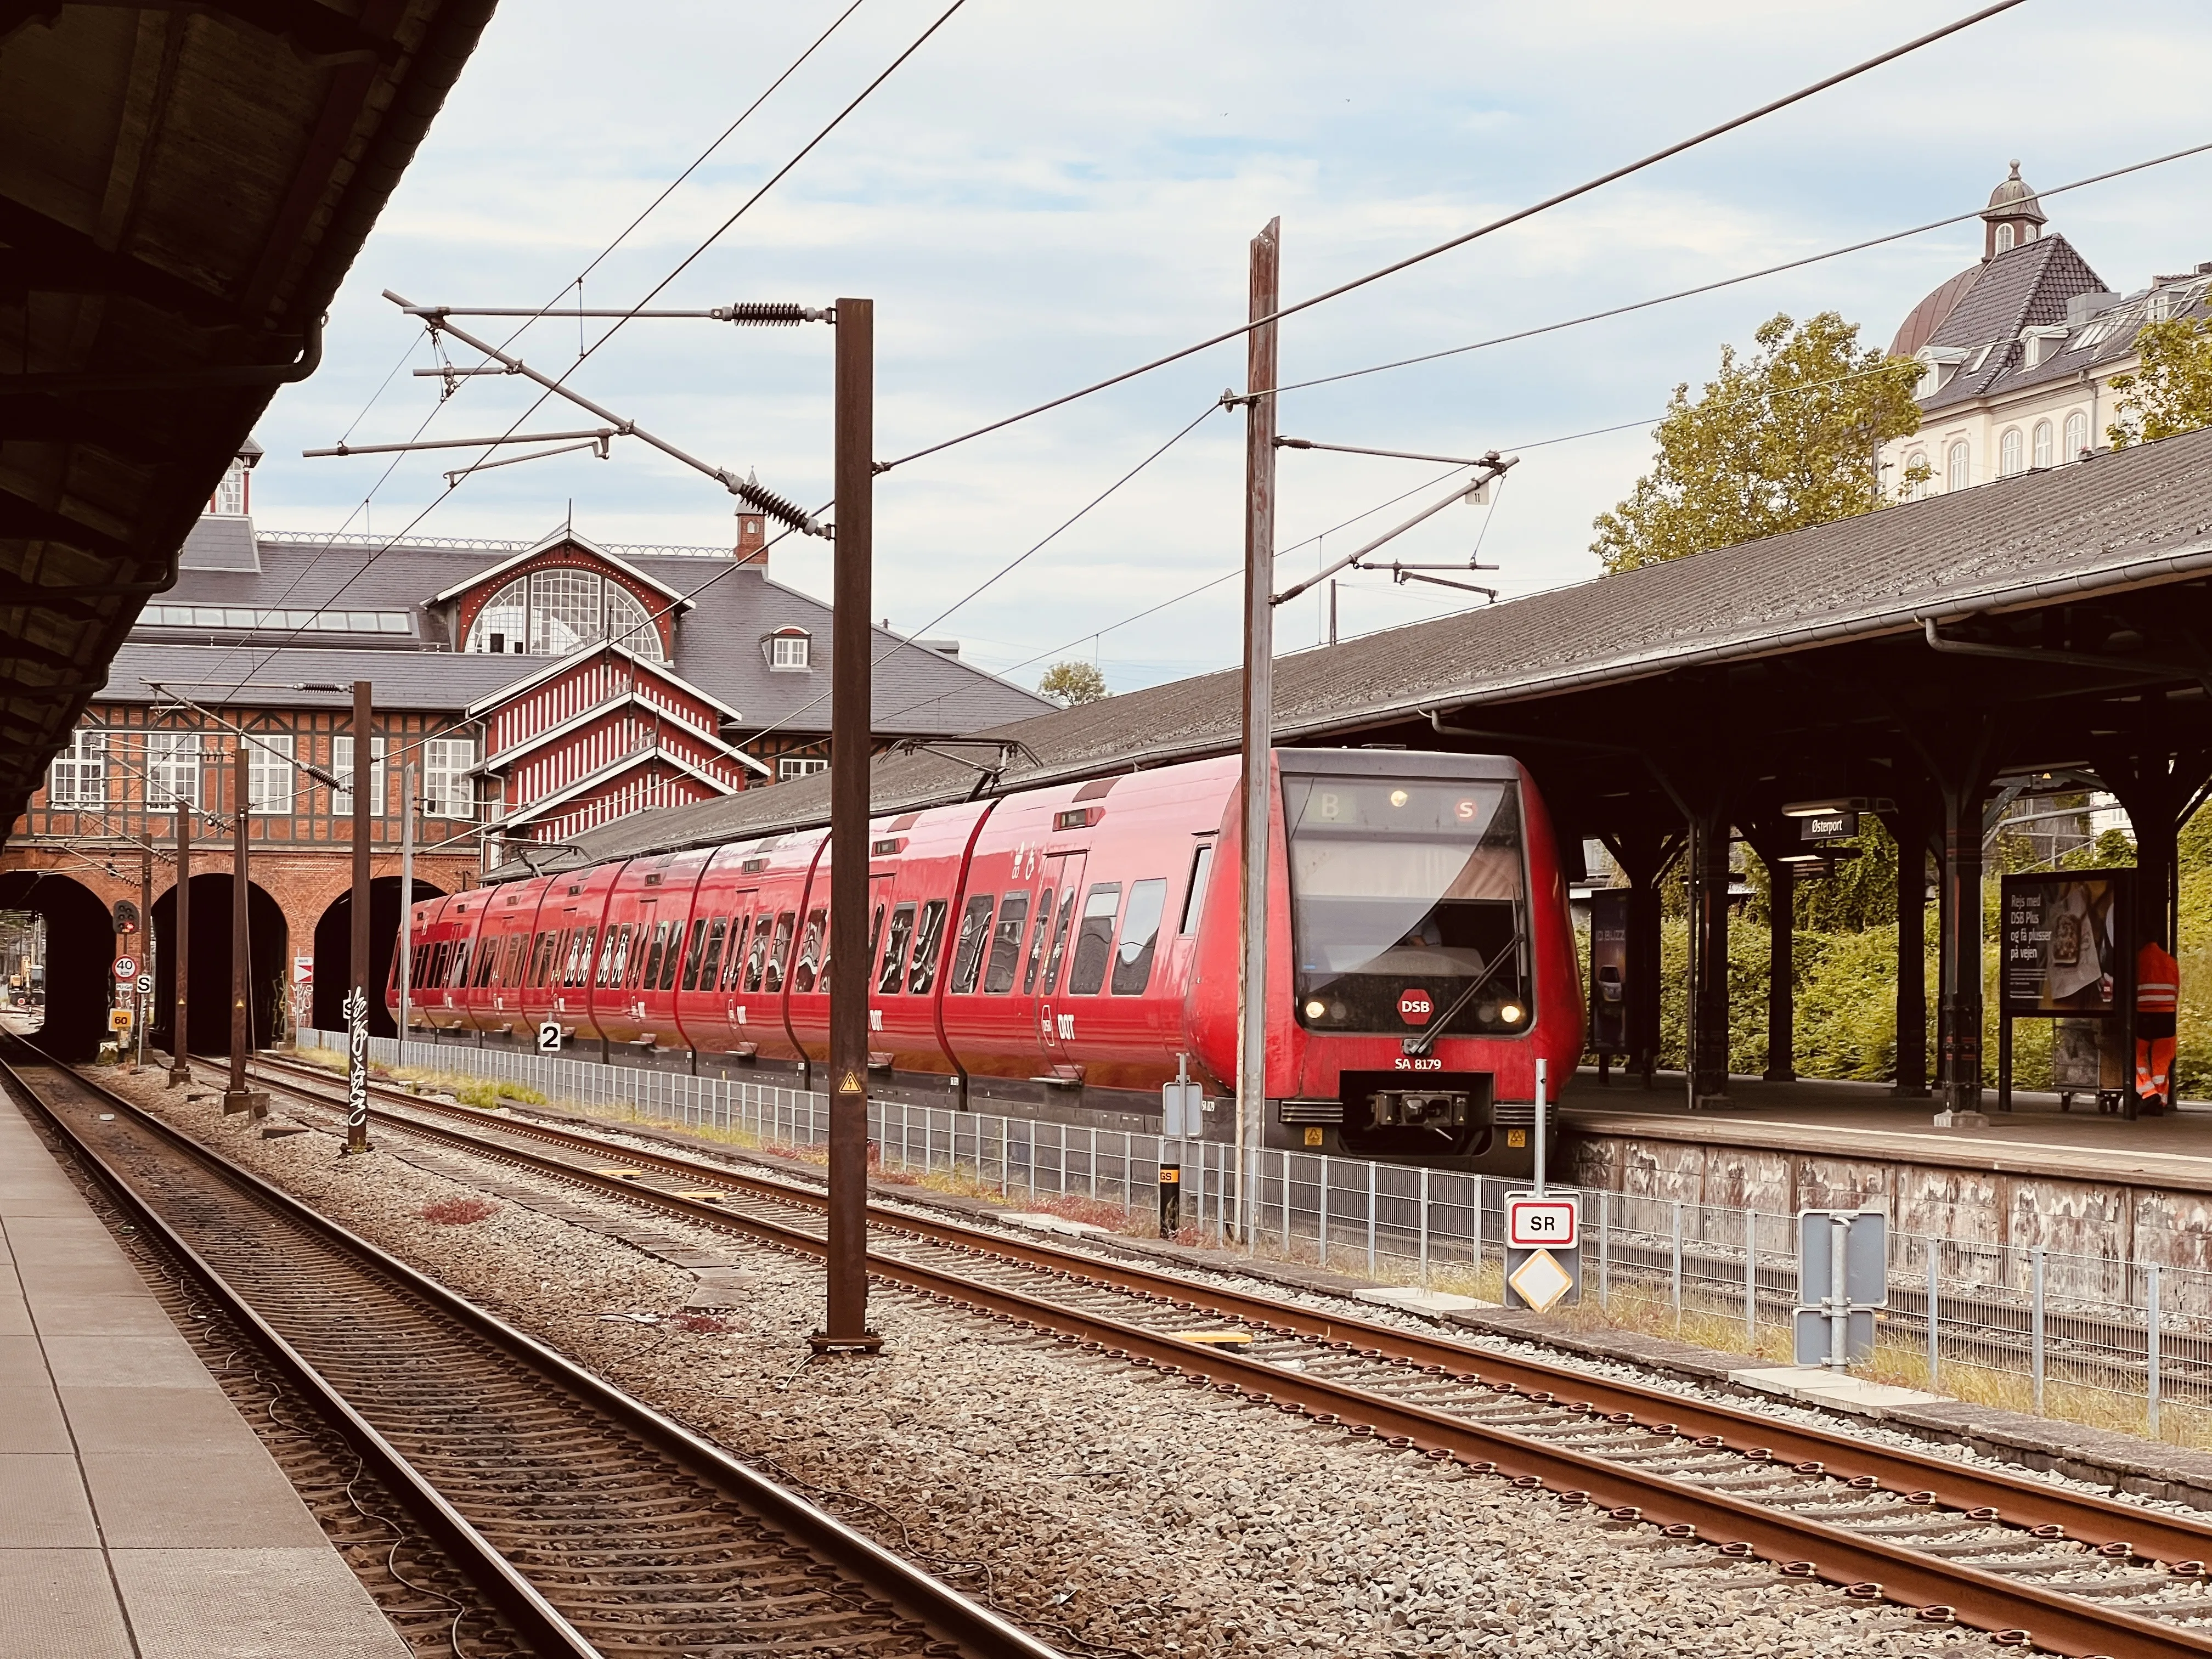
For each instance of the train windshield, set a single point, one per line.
(1409, 905)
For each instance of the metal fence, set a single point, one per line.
(2028, 1320)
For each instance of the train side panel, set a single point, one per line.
(493, 997)
(919, 903)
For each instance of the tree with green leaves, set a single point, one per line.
(2170, 392)
(1068, 684)
(1777, 441)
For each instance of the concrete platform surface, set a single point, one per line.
(143, 1518)
(1863, 1120)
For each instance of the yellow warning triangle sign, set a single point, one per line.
(851, 1085)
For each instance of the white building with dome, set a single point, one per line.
(2019, 351)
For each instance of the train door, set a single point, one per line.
(744, 908)
(1050, 948)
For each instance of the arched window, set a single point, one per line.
(2042, 443)
(549, 613)
(503, 625)
(628, 626)
(2004, 237)
(1958, 473)
(2077, 435)
(1916, 471)
(2008, 453)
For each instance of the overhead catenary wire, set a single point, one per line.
(1491, 227)
(431, 505)
(1741, 277)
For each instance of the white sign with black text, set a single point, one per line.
(1552, 1222)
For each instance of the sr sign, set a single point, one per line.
(1550, 1222)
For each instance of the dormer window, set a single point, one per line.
(230, 495)
(791, 649)
(2004, 237)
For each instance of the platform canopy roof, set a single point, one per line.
(2072, 609)
(181, 188)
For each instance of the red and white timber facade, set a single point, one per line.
(600, 736)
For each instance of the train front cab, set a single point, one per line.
(1421, 959)
(442, 934)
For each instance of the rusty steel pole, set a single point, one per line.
(356, 998)
(1256, 786)
(237, 1097)
(180, 1069)
(846, 1330)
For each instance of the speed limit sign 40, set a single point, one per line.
(126, 969)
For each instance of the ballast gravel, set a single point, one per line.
(1110, 1510)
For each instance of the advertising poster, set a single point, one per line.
(1609, 1002)
(2062, 955)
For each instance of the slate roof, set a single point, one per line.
(434, 682)
(2023, 286)
(2130, 518)
(918, 691)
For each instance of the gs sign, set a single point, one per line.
(1415, 1006)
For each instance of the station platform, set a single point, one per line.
(2079, 1182)
(1864, 1120)
(140, 1516)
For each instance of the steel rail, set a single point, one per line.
(535, 1620)
(915, 1593)
(2017, 1499)
(1868, 1567)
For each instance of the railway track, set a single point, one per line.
(2004, 1551)
(596, 1526)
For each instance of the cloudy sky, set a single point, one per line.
(1045, 194)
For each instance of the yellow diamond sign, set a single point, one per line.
(1540, 1281)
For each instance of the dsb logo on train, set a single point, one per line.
(1414, 1007)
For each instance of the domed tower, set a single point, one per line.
(2013, 216)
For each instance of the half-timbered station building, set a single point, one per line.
(538, 689)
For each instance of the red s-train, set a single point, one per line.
(1058, 952)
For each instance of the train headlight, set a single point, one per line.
(1399, 798)
(1315, 1010)
(1512, 1013)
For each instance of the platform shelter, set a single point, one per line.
(1927, 663)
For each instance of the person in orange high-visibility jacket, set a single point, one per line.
(2158, 999)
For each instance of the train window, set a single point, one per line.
(1095, 943)
(733, 960)
(1414, 885)
(423, 969)
(893, 967)
(1140, 931)
(459, 975)
(922, 977)
(668, 961)
(1194, 900)
(541, 957)
(779, 952)
(1058, 943)
(756, 963)
(710, 967)
(485, 963)
(652, 956)
(1006, 944)
(967, 951)
(518, 959)
(808, 970)
(609, 972)
(696, 955)
(580, 963)
(1037, 942)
